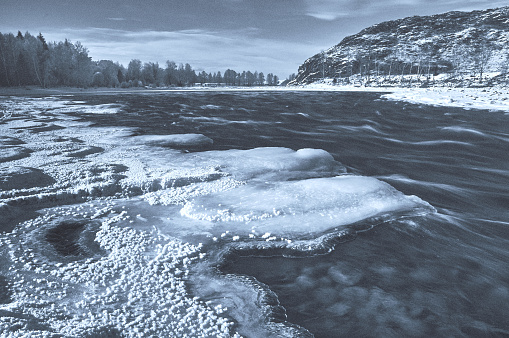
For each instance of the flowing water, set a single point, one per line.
(269, 240)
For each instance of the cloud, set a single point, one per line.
(326, 15)
(333, 9)
(477, 4)
(203, 49)
(326, 9)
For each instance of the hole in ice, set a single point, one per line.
(74, 238)
(45, 127)
(9, 141)
(5, 293)
(11, 153)
(98, 169)
(23, 178)
(67, 139)
(10, 216)
(88, 150)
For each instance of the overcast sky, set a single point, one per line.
(272, 36)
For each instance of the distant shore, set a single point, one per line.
(487, 98)
(37, 91)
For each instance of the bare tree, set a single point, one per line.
(481, 57)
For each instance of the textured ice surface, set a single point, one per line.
(108, 228)
(126, 282)
(269, 164)
(295, 208)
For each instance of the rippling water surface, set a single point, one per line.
(443, 273)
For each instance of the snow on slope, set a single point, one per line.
(454, 42)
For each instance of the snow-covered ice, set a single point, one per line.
(492, 98)
(292, 209)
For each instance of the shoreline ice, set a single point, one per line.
(494, 98)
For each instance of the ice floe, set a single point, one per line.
(292, 209)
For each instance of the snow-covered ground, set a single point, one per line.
(492, 98)
(487, 98)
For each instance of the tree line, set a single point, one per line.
(183, 75)
(30, 60)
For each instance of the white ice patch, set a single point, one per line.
(273, 164)
(295, 208)
(495, 99)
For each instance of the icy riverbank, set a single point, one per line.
(492, 98)
(120, 211)
(487, 98)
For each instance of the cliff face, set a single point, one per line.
(472, 43)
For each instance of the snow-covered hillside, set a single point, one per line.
(460, 46)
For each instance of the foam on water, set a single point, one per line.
(123, 223)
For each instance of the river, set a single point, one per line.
(392, 219)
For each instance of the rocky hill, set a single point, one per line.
(454, 46)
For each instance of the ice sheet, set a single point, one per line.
(126, 282)
(273, 164)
